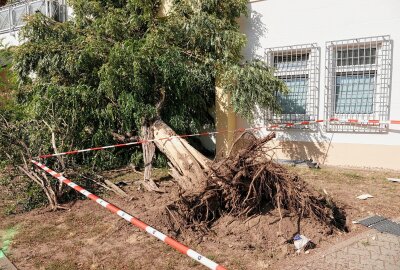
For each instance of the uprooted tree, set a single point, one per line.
(119, 69)
(244, 183)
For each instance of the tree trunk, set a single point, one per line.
(188, 166)
(149, 150)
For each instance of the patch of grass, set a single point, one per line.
(352, 175)
(238, 264)
(9, 210)
(192, 263)
(171, 264)
(365, 243)
(62, 265)
(211, 256)
(133, 265)
(38, 235)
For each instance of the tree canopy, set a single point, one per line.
(116, 64)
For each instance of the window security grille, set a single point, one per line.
(358, 82)
(12, 16)
(298, 67)
(37, 7)
(18, 14)
(5, 22)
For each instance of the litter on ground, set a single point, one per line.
(364, 196)
(300, 242)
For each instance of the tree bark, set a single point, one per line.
(59, 189)
(149, 150)
(188, 166)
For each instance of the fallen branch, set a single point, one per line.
(115, 188)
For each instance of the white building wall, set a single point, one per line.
(9, 39)
(275, 23)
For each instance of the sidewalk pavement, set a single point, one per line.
(368, 251)
(5, 264)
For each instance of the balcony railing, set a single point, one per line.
(12, 16)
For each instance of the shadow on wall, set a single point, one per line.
(255, 29)
(305, 144)
(296, 144)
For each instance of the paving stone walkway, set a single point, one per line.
(5, 264)
(368, 251)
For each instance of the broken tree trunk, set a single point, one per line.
(188, 166)
(149, 150)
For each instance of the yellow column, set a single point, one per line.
(225, 119)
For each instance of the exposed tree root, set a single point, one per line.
(244, 183)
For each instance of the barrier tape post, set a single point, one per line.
(136, 222)
(272, 126)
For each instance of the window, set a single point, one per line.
(358, 82)
(359, 56)
(297, 66)
(290, 61)
(296, 101)
(354, 93)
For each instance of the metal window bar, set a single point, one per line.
(12, 16)
(358, 83)
(18, 14)
(298, 66)
(5, 22)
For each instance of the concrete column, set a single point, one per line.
(225, 119)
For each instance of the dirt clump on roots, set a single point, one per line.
(248, 183)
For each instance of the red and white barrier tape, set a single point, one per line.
(73, 152)
(272, 126)
(364, 122)
(136, 222)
